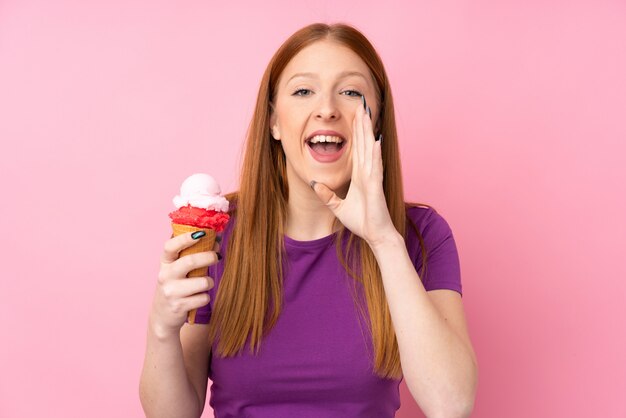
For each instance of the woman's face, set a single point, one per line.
(320, 90)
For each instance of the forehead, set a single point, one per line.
(325, 59)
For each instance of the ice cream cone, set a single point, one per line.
(199, 207)
(203, 244)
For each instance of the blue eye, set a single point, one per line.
(297, 92)
(357, 93)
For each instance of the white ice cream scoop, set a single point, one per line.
(201, 191)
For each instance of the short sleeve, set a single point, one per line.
(442, 259)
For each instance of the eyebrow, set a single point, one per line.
(343, 74)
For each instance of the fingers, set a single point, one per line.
(358, 135)
(176, 289)
(176, 294)
(365, 160)
(377, 157)
(327, 196)
(363, 140)
(175, 245)
(368, 142)
(180, 306)
(182, 266)
(196, 301)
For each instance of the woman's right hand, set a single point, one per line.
(176, 294)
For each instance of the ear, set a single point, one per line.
(275, 132)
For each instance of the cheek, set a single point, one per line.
(293, 132)
(352, 119)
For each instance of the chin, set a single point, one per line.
(340, 187)
(337, 182)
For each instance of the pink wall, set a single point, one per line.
(512, 122)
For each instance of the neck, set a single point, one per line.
(307, 217)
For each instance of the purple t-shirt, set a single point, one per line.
(317, 360)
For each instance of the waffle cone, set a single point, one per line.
(203, 244)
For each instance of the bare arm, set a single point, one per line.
(438, 361)
(175, 370)
(436, 355)
(175, 373)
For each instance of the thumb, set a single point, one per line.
(326, 195)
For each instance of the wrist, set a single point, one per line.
(162, 333)
(391, 241)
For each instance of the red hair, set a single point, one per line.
(248, 301)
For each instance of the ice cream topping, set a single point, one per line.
(201, 191)
(200, 204)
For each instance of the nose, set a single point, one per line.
(327, 109)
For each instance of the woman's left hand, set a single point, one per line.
(364, 210)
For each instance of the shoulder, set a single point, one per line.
(432, 226)
(432, 248)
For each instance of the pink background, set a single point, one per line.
(512, 124)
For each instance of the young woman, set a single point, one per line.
(316, 308)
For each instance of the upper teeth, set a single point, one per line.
(326, 138)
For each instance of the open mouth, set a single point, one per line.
(326, 148)
(325, 144)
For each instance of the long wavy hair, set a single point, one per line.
(249, 297)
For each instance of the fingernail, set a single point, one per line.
(369, 111)
(218, 239)
(380, 138)
(219, 256)
(312, 184)
(198, 234)
(364, 103)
